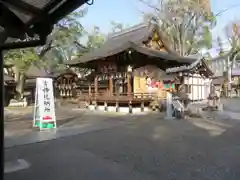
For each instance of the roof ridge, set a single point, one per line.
(127, 30)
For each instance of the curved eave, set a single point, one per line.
(192, 68)
(102, 53)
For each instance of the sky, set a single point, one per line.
(128, 12)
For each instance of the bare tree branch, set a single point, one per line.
(183, 23)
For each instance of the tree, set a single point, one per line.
(185, 23)
(116, 26)
(59, 47)
(63, 38)
(233, 36)
(95, 39)
(220, 46)
(22, 59)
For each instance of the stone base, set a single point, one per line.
(120, 109)
(211, 108)
(169, 118)
(16, 103)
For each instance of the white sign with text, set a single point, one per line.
(44, 109)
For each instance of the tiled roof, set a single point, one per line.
(132, 38)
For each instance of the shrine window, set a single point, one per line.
(188, 88)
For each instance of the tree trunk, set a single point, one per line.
(20, 86)
(232, 62)
(17, 73)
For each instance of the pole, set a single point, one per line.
(229, 77)
(169, 106)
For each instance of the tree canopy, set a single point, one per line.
(185, 24)
(62, 44)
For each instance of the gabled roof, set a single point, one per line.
(192, 67)
(58, 72)
(8, 65)
(7, 78)
(35, 71)
(131, 38)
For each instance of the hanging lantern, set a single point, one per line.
(129, 68)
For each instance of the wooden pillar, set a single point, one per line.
(105, 106)
(96, 85)
(130, 107)
(129, 85)
(117, 105)
(89, 89)
(142, 103)
(193, 98)
(198, 96)
(111, 85)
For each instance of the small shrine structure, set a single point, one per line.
(136, 66)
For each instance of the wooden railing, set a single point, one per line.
(129, 100)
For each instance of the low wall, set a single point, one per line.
(126, 110)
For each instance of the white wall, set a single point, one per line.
(200, 87)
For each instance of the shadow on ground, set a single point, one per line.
(193, 149)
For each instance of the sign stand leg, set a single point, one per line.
(35, 108)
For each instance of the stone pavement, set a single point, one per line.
(147, 148)
(231, 109)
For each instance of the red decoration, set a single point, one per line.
(47, 118)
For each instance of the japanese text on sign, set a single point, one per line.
(46, 96)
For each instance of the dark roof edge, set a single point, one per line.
(151, 26)
(127, 30)
(184, 67)
(187, 68)
(161, 54)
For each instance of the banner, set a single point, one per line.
(44, 108)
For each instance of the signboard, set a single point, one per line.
(106, 67)
(44, 108)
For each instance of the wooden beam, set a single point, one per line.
(111, 85)
(129, 86)
(96, 85)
